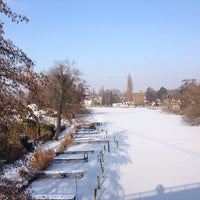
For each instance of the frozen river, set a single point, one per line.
(158, 158)
(158, 155)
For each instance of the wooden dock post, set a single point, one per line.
(108, 146)
(101, 156)
(117, 143)
(98, 182)
(86, 156)
(95, 193)
(101, 163)
(102, 171)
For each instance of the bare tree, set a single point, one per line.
(150, 95)
(65, 90)
(110, 96)
(16, 74)
(162, 94)
(190, 98)
(129, 90)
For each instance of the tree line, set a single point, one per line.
(61, 89)
(186, 97)
(184, 100)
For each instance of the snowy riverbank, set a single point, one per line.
(158, 157)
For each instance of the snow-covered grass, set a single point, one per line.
(158, 157)
(13, 171)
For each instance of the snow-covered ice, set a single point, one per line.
(158, 157)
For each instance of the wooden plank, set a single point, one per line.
(85, 129)
(71, 156)
(70, 196)
(63, 174)
(59, 160)
(78, 152)
(85, 132)
(90, 141)
(63, 159)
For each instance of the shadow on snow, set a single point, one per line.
(111, 187)
(182, 192)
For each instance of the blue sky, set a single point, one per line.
(156, 41)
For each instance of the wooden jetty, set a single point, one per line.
(78, 152)
(81, 141)
(63, 174)
(70, 196)
(72, 159)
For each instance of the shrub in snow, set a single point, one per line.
(42, 159)
(67, 140)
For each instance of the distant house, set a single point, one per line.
(93, 100)
(88, 102)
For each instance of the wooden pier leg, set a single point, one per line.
(98, 182)
(108, 146)
(86, 156)
(104, 147)
(117, 143)
(102, 171)
(101, 163)
(95, 193)
(102, 156)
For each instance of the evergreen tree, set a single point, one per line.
(129, 90)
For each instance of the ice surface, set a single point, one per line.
(158, 157)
